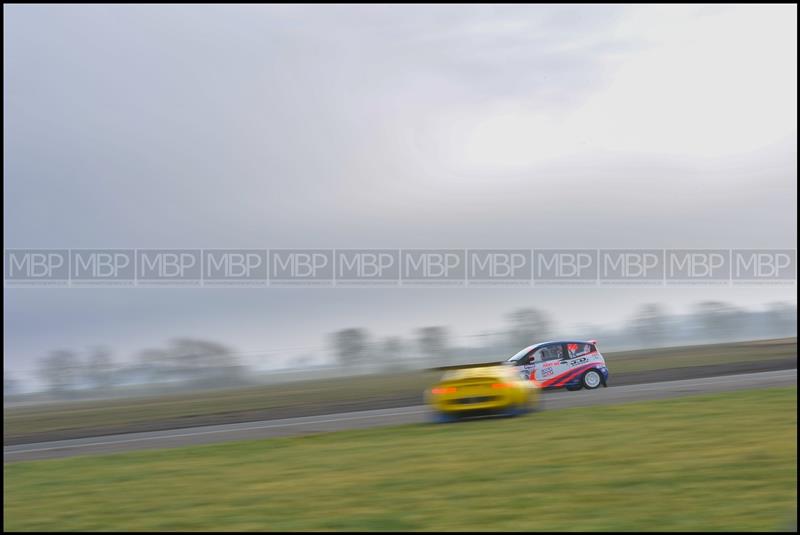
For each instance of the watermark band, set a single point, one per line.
(130, 267)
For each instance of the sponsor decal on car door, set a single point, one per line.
(579, 357)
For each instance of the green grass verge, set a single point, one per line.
(65, 420)
(714, 462)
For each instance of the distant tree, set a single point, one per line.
(527, 326)
(203, 363)
(193, 362)
(650, 325)
(433, 343)
(99, 369)
(350, 347)
(718, 320)
(393, 353)
(60, 371)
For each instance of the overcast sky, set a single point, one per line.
(386, 126)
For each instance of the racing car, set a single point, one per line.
(569, 364)
(480, 390)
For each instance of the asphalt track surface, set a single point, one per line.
(380, 417)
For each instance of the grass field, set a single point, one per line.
(716, 462)
(77, 419)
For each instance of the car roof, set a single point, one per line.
(540, 344)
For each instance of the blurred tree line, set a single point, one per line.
(194, 363)
(185, 362)
(651, 325)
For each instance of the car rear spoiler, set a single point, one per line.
(463, 366)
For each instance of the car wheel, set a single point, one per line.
(591, 380)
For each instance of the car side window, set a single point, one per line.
(578, 350)
(546, 353)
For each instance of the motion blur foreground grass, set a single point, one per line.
(715, 462)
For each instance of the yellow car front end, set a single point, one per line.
(482, 390)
